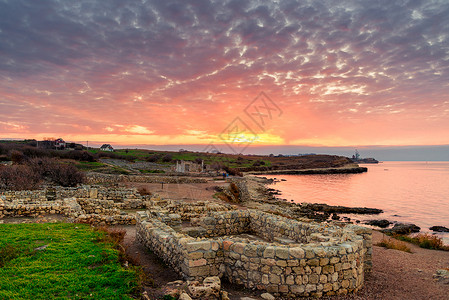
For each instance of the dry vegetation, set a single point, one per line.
(391, 243)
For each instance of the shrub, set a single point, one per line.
(394, 244)
(18, 178)
(232, 171)
(153, 158)
(425, 240)
(80, 156)
(216, 166)
(167, 158)
(17, 156)
(42, 166)
(66, 175)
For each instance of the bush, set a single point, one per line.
(258, 163)
(232, 171)
(425, 240)
(17, 156)
(153, 158)
(167, 158)
(18, 178)
(80, 156)
(394, 244)
(66, 175)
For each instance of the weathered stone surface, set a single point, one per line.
(210, 289)
(267, 296)
(184, 296)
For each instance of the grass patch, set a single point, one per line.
(76, 262)
(390, 243)
(425, 240)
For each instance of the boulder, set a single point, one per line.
(400, 228)
(379, 223)
(439, 229)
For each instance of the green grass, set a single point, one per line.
(77, 264)
(231, 161)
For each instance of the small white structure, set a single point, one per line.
(189, 166)
(106, 147)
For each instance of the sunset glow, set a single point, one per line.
(340, 73)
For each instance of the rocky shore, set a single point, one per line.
(351, 169)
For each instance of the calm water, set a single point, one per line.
(411, 192)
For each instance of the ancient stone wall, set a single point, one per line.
(186, 210)
(125, 198)
(87, 204)
(288, 259)
(97, 178)
(241, 183)
(163, 241)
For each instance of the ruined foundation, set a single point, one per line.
(262, 251)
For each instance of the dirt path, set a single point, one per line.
(182, 191)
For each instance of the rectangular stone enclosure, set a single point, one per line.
(263, 251)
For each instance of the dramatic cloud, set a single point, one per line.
(177, 72)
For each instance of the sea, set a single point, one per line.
(407, 192)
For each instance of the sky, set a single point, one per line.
(201, 72)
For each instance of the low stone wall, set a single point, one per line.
(186, 210)
(241, 183)
(86, 204)
(289, 258)
(165, 242)
(130, 197)
(96, 178)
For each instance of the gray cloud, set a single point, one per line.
(375, 52)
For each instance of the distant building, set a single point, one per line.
(189, 166)
(106, 147)
(60, 144)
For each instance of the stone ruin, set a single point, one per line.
(261, 251)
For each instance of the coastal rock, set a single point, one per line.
(400, 228)
(442, 276)
(439, 229)
(379, 223)
(335, 217)
(340, 209)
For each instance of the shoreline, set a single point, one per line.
(350, 169)
(351, 214)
